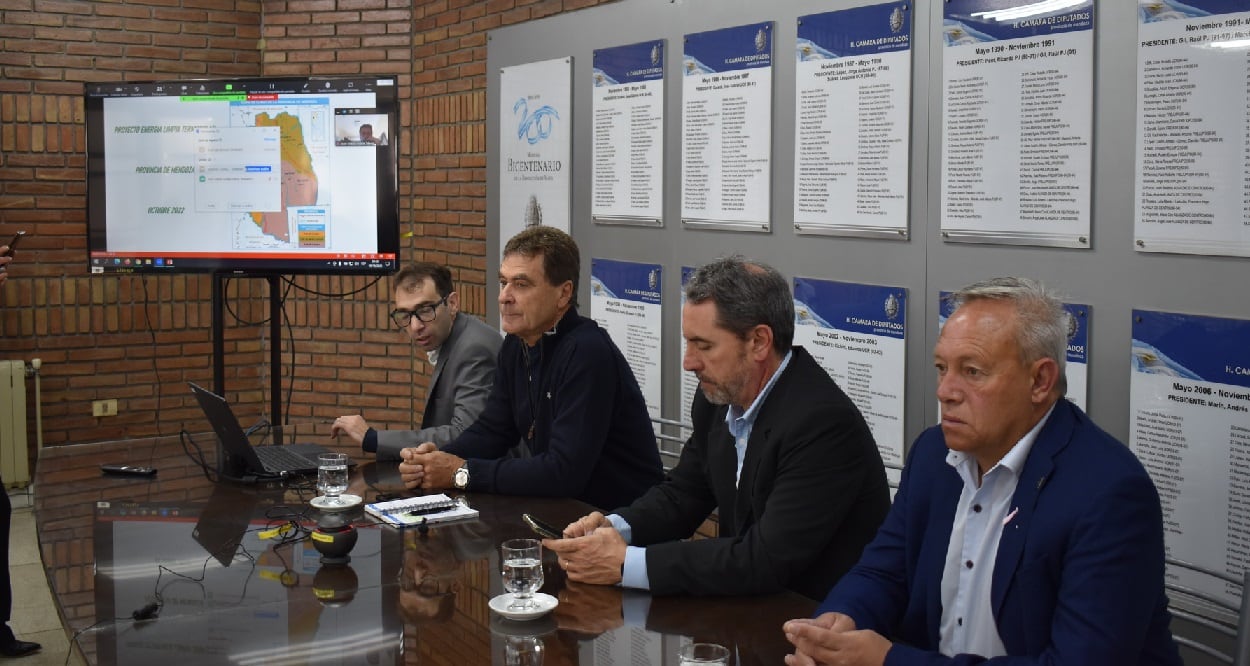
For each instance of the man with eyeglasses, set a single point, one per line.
(461, 347)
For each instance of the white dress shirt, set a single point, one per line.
(740, 424)
(983, 512)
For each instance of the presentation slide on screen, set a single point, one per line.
(242, 173)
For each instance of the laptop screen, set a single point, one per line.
(235, 457)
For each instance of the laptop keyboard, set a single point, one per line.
(279, 459)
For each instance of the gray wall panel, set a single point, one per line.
(1111, 276)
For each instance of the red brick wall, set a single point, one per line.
(140, 340)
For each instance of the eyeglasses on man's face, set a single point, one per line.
(425, 313)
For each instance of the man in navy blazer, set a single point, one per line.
(461, 347)
(1021, 532)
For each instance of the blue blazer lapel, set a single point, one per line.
(1040, 464)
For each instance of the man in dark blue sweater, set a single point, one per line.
(561, 386)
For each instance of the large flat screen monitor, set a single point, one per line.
(268, 175)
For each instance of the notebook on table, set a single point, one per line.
(238, 459)
(412, 511)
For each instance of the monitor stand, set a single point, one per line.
(275, 345)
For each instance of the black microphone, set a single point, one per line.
(147, 612)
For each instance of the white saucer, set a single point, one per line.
(543, 604)
(345, 502)
(536, 627)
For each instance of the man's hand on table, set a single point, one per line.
(426, 467)
(833, 639)
(595, 558)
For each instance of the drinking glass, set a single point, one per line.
(523, 651)
(332, 476)
(702, 654)
(522, 571)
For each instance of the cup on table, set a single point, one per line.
(702, 654)
(522, 562)
(332, 475)
(523, 651)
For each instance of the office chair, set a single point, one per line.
(1213, 613)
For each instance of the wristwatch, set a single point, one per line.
(461, 479)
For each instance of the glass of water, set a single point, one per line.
(523, 651)
(702, 654)
(332, 475)
(522, 571)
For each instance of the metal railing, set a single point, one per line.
(1230, 620)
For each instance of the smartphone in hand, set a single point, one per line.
(543, 529)
(17, 238)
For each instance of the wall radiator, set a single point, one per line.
(14, 456)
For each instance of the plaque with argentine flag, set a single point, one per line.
(627, 135)
(857, 333)
(1189, 424)
(625, 299)
(726, 128)
(689, 382)
(852, 113)
(1017, 121)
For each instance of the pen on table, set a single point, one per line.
(426, 510)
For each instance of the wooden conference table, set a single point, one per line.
(231, 589)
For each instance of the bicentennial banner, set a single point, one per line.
(851, 158)
(535, 144)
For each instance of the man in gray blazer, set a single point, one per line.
(462, 348)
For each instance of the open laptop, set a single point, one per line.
(238, 459)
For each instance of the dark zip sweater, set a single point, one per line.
(573, 400)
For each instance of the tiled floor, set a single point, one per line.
(34, 613)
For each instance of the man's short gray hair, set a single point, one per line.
(1043, 322)
(746, 294)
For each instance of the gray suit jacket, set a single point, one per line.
(457, 395)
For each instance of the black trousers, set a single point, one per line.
(6, 592)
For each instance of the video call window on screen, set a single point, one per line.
(243, 175)
(361, 128)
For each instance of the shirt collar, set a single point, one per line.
(1013, 461)
(737, 420)
(433, 353)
